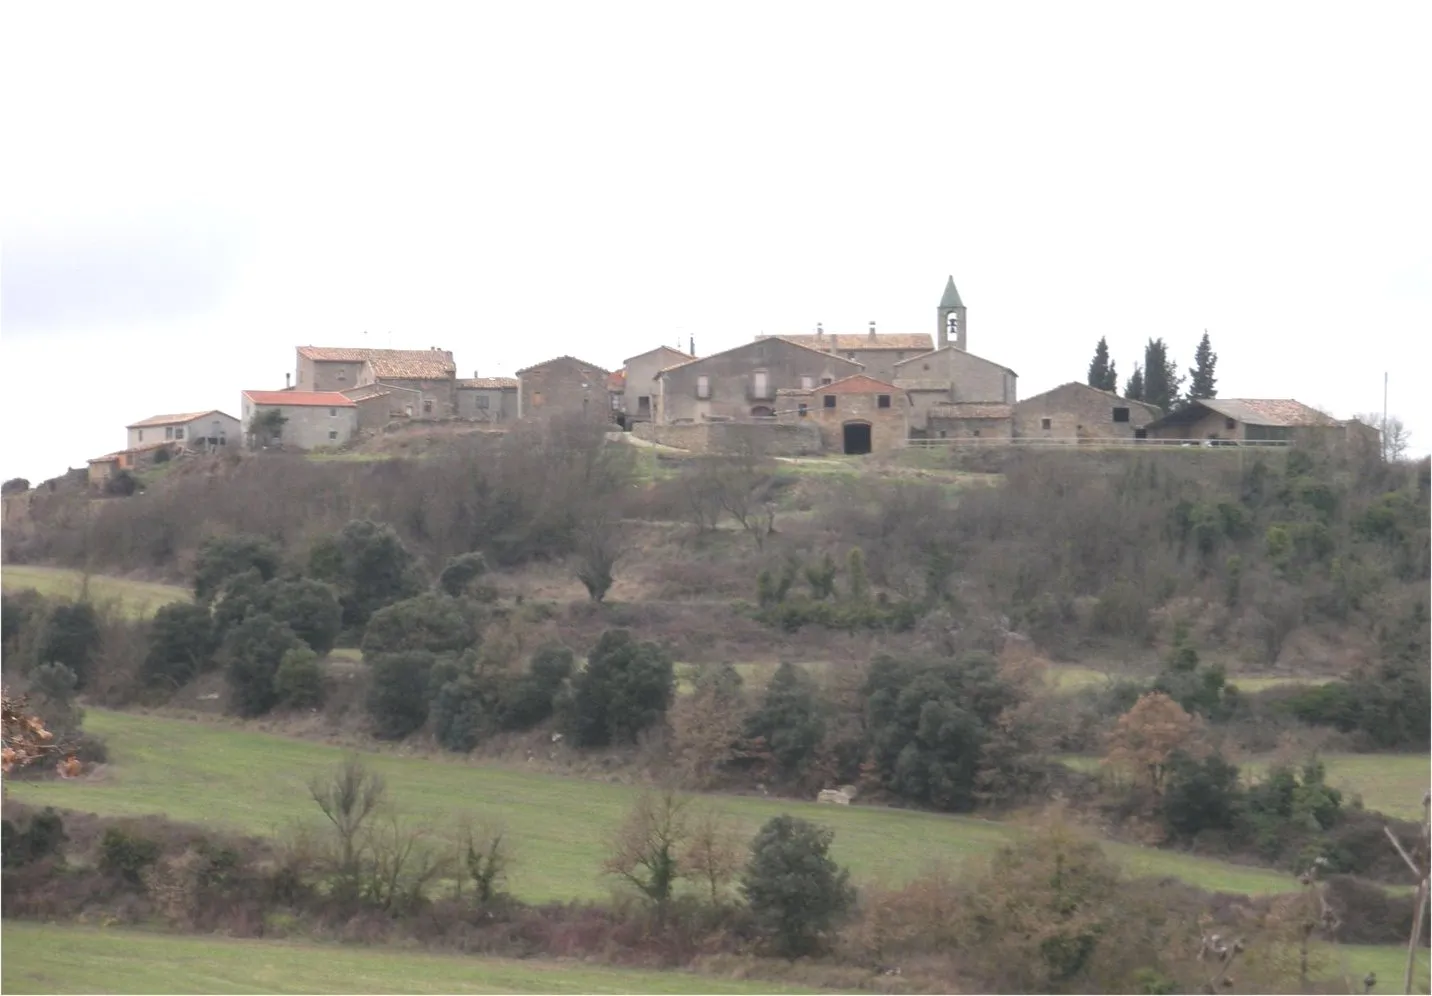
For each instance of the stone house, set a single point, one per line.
(377, 406)
(743, 382)
(877, 353)
(616, 391)
(487, 399)
(1255, 420)
(969, 420)
(101, 469)
(638, 380)
(192, 430)
(856, 414)
(951, 375)
(561, 386)
(314, 418)
(1078, 411)
(337, 368)
(426, 382)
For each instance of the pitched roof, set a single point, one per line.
(971, 409)
(488, 383)
(952, 346)
(558, 359)
(616, 380)
(1255, 411)
(145, 448)
(832, 342)
(952, 296)
(680, 356)
(300, 399)
(747, 345)
(343, 354)
(366, 392)
(1111, 395)
(172, 419)
(905, 384)
(856, 384)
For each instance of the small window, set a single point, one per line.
(427, 406)
(342, 374)
(943, 434)
(976, 432)
(1046, 423)
(179, 432)
(141, 435)
(801, 409)
(333, 413)
(824, 381)
(168, 432)
(925, 366)
(1121, 414)
(482, 401)
(807, 383)
(829, 401)
(703, 387)
(1228, 423)
(882, 401)
(761, 383)
(332, 433)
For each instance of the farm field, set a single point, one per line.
(137, 598)
(53, 959)
(1072, 677)
(256, 783)
(1389, 783)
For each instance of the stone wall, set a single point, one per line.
(727, 437)
(1080, 411)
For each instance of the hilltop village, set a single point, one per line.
(821, 392)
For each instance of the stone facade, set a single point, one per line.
(970, 377)
(638, 382)
(969, 420)
(743, 382)
(487, 399)
(564, 385)
(315, 418)
(337, 368)
(1253, 420)
(771, 438)
(877, 353)
(855, 415)
(1078, 411)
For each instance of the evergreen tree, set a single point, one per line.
(1201, 380)
(1134, 389)
(1101, 372)
(1161, 381)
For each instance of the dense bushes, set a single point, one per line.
(796, 892)
(625, 688)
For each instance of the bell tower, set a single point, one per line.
(952, 318)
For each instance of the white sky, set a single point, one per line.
(191, 190)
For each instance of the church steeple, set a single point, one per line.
(952, 318)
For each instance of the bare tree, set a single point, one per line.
(647, 848)
(405, 862)
(714, 853)
(701, 491)
(599, 548)
(349, 796)
(1423, 852)
(1396, 437)
(486, 852)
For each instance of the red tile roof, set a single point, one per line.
(856, 384)
(136, 449)
(300, 399)
(489, 383)
(171, 419)
(616, 381)
(832, 342)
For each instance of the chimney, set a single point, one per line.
(819, 332)
(872, 331)
(475, 375)
(692, 348)
(285, 381)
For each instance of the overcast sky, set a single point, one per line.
(191, 190)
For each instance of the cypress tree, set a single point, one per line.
(1161, 381)
(1202, 383)
(1101, 372)
(1134, 389)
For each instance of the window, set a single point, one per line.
(342, 374)
(332, 433)
(215, 429)
(1121, 414)
(943, 434)
(427, 406)
(179, 432)
(926, 366)
(169, 432)
(824, 381)
(882, 401)
(703, 387)
(1046, 423)
(141, 435)
(829, 401)
(333, 413)
(976, 432)
(760, 384)
(482, 401)
(807, 383)
(801, 409)
(1228, 423)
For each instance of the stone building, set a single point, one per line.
(1260, 420)
(950, 375)
(969, 420)
(877, 353)
(424, 379)
(1078, 411)
(313, 418)
(856, 414)
(192, 430)
(487, 399)
(743, 382)
(564, 385)
(637, 382)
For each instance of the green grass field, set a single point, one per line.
(1072, 677)
(53, 959)
(137, 598)
(1389, 783)
(256, 783)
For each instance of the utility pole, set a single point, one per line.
(1384, 416)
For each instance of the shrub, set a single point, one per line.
(460, 572)
(369, 565)
(310, 608)
(298, 682)
(466, 707)
(126, 854)
(70, 636)
(43, 837)
(398, 692)
(181, 644)
(626, 687)
(1201, 795)
(795, 891)
(430, 621)
(789, 720)
(531, 698)
(224, 557)
(252, 652)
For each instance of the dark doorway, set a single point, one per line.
(857, 438)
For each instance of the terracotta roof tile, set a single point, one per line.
(557, 359)
(171, 419)
(971, 409)
(343, 354)
(857, 384)
(1269, 411)
(616, 381)
(300, 399)
(488, 383)
(365, 392)
(835, 343)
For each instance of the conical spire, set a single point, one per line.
(952, 296)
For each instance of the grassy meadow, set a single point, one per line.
(256, 783)
(136, 598)
(54, 959)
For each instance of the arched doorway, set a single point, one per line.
(857, 438)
